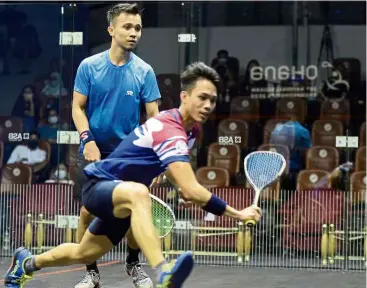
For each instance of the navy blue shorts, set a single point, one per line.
(97, 199)
(81, 178)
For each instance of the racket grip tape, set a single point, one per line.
(250, 223)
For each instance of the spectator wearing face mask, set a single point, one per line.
(60, 175)
(49, 131)
(54, 87)
(29, 152)
(27, 107)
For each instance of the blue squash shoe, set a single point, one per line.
(16, 276)
(174, 274)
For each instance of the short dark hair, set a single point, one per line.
(222, 52)
(116, 10)
(195, 72)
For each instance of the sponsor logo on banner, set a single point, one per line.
(304, 75)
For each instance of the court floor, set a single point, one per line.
(205, 277)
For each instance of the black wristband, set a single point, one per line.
(215, 206)
(86, 137)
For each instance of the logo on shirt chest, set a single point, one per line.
(129, 93)
(181, 147)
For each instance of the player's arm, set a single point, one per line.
(78, 112)
(80, 97)
(91, 151)
(151, 109)
(170, 178)
(190, 189)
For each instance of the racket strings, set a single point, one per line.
(263, 168)
(163, 219)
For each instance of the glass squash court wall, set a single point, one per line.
(293, 78)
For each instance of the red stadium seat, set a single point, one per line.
(358, 186)
(17, 173)
(336, 110)
(245, 108)
(235, 129)
(313, 179)
(213, 177)
(361, 159)
(225, 156)
(324, 132)
(286, 108)
(9, 127)
(322, 158)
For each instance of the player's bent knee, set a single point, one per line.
(140, 193)
(128, 195)
(84, 214)
(130, 192)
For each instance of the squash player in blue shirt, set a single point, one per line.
(109, 89)
(117, 190)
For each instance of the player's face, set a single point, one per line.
(126, 30)
(202, 100)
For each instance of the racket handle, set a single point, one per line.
(250, 223)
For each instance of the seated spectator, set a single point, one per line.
(335, 176)
(49, 130)
(296, 137)
(60, 175)
(54, 87)
(247, 83)
(60, 66)
(47, 105)
(227, 67)
(29, 152)
(27, 107)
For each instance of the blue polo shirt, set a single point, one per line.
(296, 137)
(115, 94)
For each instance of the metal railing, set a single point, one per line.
(299, 229)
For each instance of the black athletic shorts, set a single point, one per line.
(97, 199)
(81, 178)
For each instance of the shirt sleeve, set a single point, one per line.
(40, 156)
(307, 139)
(150, 91)
(14, 157)
(82, 80)
(170, 144)
(194, 137)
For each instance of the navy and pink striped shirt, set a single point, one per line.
(148, 150)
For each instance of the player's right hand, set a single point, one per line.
(91, 152)
(250, 213)
(184, 203)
